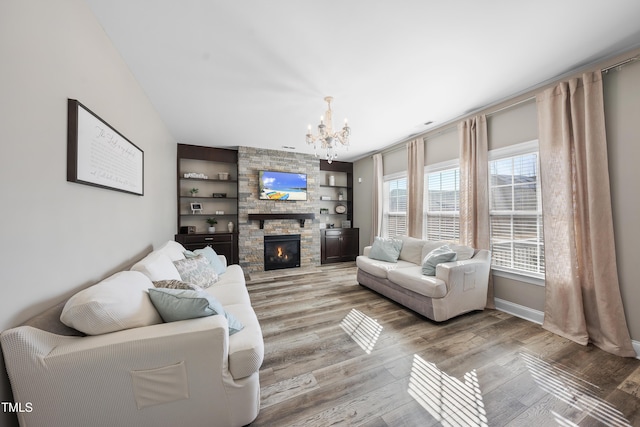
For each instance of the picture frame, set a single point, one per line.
(196, 207)
(100, 156)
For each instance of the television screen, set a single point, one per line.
(283, 186)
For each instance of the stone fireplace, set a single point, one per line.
(270, 217)
(281, 251)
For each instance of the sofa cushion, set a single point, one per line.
(157, 266)
(210, 254)
(384, 249)
(197, 271)
(411, 249)
(379, 268)
(182, 304)
(231, 288)
(463, 252)
(172, 249)
(116, 303)
(411, 278)
(435, 257)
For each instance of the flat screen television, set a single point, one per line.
(282, 186)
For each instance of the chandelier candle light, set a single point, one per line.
(326, 137)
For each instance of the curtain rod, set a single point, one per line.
(621, 64)
(447, 127)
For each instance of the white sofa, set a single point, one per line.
(188, 372)
(458, 287)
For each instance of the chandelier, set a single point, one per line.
(326, 138)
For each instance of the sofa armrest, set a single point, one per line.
(366, 250)
(223, 259)
(466, 274)
(89, 380)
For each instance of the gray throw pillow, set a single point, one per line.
(435, 257)
(211, 256)
(182, 304)
(197, 271)
(385, 249)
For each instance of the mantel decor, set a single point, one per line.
(99, 155)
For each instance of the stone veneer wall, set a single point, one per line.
(251, 237)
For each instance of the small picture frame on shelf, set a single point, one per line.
(346, 224)
(196, 208)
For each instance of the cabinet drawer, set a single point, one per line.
(205, 238)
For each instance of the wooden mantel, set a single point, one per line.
(299, 216)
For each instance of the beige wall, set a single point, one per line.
(58, 236)
(519, 124)
(622, 112)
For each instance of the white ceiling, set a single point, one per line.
(254, 72)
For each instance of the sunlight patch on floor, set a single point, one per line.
(450, 401)
(574, 391)
(362, 329)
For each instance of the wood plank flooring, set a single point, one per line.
(337, 353)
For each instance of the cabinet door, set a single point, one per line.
(350, 244)
(332, 247)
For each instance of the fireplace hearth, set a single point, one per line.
(281, 251)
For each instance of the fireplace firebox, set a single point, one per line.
(281, 251)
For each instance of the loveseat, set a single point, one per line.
(136, 369)
(457, 287)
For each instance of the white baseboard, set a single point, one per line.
(537, 316)
(520, 311)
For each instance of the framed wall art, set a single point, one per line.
(100, 156)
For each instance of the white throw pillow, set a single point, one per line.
(157, 266)
(172, 249)
(118, 302)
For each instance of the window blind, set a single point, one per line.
(516, 214)
(394, 222)
(442, 205)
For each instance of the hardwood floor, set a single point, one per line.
(337, 353)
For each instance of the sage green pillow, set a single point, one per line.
(182, 304)
(384, 249)
(437, 256)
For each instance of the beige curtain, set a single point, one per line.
(376, 228)
(582, 300)
(474, 188)
(415, 187)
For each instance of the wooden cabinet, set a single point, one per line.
(223, 243)
(336, 194)
(339, 244)
(213, 172)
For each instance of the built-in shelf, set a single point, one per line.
(297, 216)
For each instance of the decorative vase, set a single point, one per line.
(212, 229)
(230, 227)
(332, 180)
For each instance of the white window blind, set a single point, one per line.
(516, 213)
(442, 205)
(394, 222)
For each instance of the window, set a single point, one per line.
(441, 218)
(516, 210)
(394, 221)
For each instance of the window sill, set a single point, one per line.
(520, 277)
